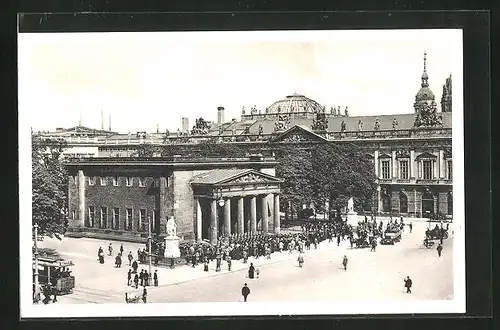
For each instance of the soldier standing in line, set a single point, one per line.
(411, 227)
(130, 258)
(136, 280)
(228, 260)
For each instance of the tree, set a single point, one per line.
(49, 186)
(146, 150)
(325, 173)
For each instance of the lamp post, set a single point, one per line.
(378, 199)
(149, 245)
(36, 263)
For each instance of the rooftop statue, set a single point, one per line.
(360, 125)
(346, 112)
(243, 110)
(394, 123)
(377, 124)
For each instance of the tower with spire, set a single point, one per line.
(425, 96)
(446, 97)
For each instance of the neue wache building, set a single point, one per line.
(411, 153)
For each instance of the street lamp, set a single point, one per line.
(36, 262)
(218, 197)
(149, 245)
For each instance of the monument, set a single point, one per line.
(172, 241)
(352, 216)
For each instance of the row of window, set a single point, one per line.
(427, 204)
(115, 181)
(426, 169)
(102, 220)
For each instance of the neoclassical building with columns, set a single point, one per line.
(208, 197)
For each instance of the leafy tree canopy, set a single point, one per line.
(49, 186)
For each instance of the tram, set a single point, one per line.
(55, 275)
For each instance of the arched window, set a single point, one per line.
(450, 203)
(403, 203)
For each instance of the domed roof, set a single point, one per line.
(295, 103)
(424, 94)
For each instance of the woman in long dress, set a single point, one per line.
(251, 271)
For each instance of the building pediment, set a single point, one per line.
(426, 155)
(383, 155)
(298, 133)
(224, 177)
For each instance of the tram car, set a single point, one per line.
(55, 274)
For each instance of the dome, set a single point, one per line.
(295, 103)
(424, 94)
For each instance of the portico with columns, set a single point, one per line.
(235, 201)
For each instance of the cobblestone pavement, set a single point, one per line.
(370, 275)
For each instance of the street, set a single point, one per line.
(370, 275)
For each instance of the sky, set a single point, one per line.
(149, 80)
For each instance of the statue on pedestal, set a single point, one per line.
(350, 205)
(171, 227)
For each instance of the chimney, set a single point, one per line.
(110, 122)
(185, 124)
(220, 115)
(102, 120)
(157, 128)
(80, 122)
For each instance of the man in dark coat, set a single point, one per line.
(146, 278)
(129, 276)
(245, 291)
(135, 266)
(136, 280)
(338, 240)
(439, 249)
(141, 277)
(408, 284)
(144, 295)
(251, 271)
(155, 278)
(411, 227)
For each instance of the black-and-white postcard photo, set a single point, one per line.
(241, 173)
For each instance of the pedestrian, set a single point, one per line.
(408, 284)
(118, 261)
(121, 249)
(144, 295)
(251, 271)
(110, 249)
(338, 240)
(55, 295)
(374, 245)
(146, 278)
(411, 227)
(136, 280)
(130, 258)
(257, 272)
(300, 259)
(129, 276)
(228, 260)
(135, 266)
(351, 241)
(344, 262)
(439, 249)
(155, 278)
(245, 256)
(141, 277)
(205, 265)
(245, 291)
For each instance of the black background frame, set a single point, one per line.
(477, 121)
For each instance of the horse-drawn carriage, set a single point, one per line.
(436, 233)
(133, 297)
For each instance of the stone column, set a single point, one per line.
(265, 218)
(393, 166)
(411, 167)
(253, 214)
(435, 169)
(213, 222)
(163, 207)
(415, 209)
(442, 165)
(80, 222)
(241, 215)
(379, 199)
(277, 214)
(199, 220)
(227, 217)
(376, 163)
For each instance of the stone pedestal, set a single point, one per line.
(352, 218)
(172, 247)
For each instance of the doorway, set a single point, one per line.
(427, 203)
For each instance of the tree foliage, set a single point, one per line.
(325, 173)
(49, 186)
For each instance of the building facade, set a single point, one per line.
(208, 197)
